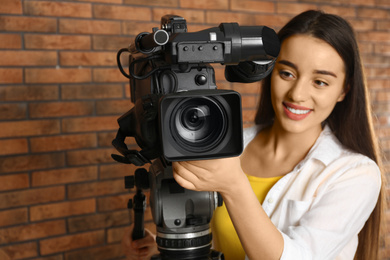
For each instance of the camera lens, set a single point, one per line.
(198, 124)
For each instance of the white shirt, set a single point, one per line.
(321, 205)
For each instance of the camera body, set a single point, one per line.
(179, 113)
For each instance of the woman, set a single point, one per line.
(311, 160)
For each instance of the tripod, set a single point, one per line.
(181, 216)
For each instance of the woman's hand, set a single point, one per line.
(209, 175)
(141, 249)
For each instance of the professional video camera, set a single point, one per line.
(179, 114)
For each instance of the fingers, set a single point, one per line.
(139, 249)
(183, 176)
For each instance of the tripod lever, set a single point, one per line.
(139, 210)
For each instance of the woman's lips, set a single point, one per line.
(296, 112)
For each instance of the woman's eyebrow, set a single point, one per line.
(294, 66)
(288, 63)
(325, 72)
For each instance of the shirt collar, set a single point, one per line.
(327, 148)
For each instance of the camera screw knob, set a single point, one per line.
(200, 79)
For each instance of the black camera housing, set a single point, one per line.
(186, 117)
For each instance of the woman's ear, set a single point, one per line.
(343, 94)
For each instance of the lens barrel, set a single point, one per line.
(200, 124)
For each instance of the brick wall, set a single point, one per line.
(61, 194)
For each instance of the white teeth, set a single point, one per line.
(298, 111)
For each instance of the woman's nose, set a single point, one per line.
(298, 91)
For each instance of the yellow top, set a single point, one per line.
(225, 238)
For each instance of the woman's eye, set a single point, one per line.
(285, 74)
(320, 83)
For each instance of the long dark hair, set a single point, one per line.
(351, 119)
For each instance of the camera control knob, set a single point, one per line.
(200, 79)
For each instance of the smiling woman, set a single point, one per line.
(309, 183)
(308, 82)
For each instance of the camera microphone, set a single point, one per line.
(147, 42)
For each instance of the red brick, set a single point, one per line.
(27, 24)
(13, 146)
(113, 202)
(273, 21)
(116, 170)
(115, 234)
(62, 142)
(249, 102)
(13, 217)
(28, 93)
(27, 128)
(103, 1)
(375, 13)
(91, 91)
(377, 72)
(384, 3)
(79, 26)
(30, 162)
(86, 124)
(11, 7)
(28, 58)
(11, 75)
(61, 9)
(134, 28)
(207, 5)
(84, 157)
(362, 24)
(62, 42)
(113, 43)
(378, 83)
(14, 182)
(378, 37)
(98, 221)
(119, 12)
(31, 196)
(62, 209)
(70, 242)
(20, 251)
(344, 11)
(53, 257)
(60, 109)
(252, 6)
(64, 176)
(97, 253)
(214, 17)
(108, 75)
(109, 107)
(191, 16)
(59, 75)
(293, 8)
(32, 231)
(173, 3)
(12, 111)
(383, 25)
(92, 189)
(248, 88)
(88, 58)
(248, 116)
(10, 41)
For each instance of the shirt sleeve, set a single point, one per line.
(338, 213)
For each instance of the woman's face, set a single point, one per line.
(306, 83)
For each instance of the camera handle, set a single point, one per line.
(138, 204)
